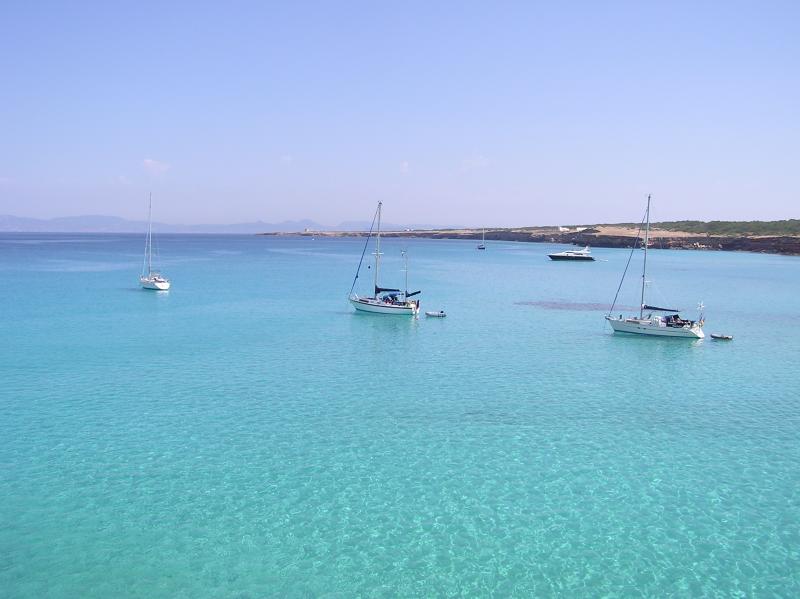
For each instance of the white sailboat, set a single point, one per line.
(653, 320)
(151, 279)
(383, 300)
(482, 244)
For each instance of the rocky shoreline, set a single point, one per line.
(597, 237)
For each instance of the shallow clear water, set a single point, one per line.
(248, 435)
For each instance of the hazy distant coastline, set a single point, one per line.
(775, 237)
(115, 224)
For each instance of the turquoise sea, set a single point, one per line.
(248, 435)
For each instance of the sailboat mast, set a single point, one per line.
(146, 263)
(644, 266)
(405, 258)
(150, 235)
(378, 249)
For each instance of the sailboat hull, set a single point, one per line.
(154, 284)
(366, 304)
(653, 328)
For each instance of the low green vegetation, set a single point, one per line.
(726, 227)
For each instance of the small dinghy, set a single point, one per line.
(721, 337)
(439, 314)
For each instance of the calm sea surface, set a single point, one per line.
(248, 435)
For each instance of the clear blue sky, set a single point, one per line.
(491, 113)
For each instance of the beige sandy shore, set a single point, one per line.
(632, 232)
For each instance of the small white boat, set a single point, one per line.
(584, 255)
(721, 337)
(439, 314)
(650, 320)
(482, 244)
(383, 300)
(151, 279)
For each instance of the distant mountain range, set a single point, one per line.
(115, 224)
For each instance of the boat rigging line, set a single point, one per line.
(628, 263)
(364, 251)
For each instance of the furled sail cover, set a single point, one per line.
(657, 309)
(412, 294)
(382, 289)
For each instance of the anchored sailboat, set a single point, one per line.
(482, 244)
(384, 300)
(653, 320)
(151, 279)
